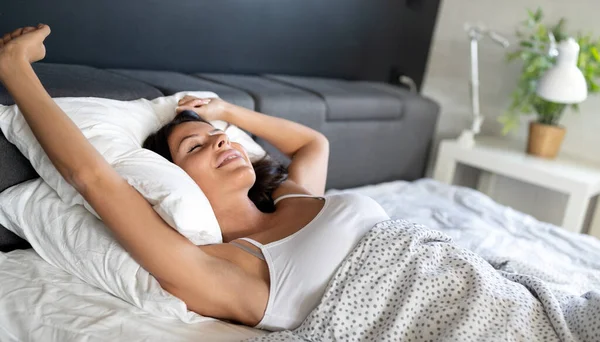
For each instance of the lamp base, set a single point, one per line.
(466, 139)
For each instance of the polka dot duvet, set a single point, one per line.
(456, 266)
(406, 282)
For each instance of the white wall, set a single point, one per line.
(448, 74)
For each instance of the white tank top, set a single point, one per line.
(302, 264)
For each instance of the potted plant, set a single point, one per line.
(545, 134)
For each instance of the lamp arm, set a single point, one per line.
(474, 85)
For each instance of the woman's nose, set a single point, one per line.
(222, 141)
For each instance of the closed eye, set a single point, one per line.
(194, 147)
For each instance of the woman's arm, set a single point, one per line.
(308, 149)
(78, 161)
(205, 283)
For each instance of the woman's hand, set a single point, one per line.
(26, 43)
(208, 108)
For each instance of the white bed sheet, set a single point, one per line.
(39, 302)
(494, 231)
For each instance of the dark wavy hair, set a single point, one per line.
(269, 173)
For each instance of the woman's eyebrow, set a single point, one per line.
(213, 132)
(216, 130)
(185, 138)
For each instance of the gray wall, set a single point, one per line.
(446, 81)
(354, 39)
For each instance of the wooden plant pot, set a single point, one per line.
(545, 140)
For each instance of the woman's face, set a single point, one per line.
(217, 165)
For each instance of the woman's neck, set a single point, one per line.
(239, 217)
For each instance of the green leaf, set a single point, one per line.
(510, 121)
(530, 13)
(511, 56)
(526, 44)
(538, 15)
(525, 55)
(595, 54)
(559, 30)
(581, 61)
(542, 31)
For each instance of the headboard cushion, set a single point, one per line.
(64, 80)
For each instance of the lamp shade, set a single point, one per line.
(564, 82)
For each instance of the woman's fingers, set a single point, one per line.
(31, 41)
(194, 102)
(197, 102)
(182, 108)
(16, 33)
(186, 98)
(44, 29)
(189, 102)
(28, 29)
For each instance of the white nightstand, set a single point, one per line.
(579, 180)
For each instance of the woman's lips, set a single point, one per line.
(228, 157)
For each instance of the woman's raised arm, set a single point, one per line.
(181, 267)
(79, 162)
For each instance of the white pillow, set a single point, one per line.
(72, 239)
(117, 130)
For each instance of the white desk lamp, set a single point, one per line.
(476, 33)
(564, 82)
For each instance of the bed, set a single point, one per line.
(340, 78)
(41, 303)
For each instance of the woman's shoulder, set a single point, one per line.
(355, 200)
(291, 188)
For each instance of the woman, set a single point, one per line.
(274, 265)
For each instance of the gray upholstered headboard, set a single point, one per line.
(378, 131)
